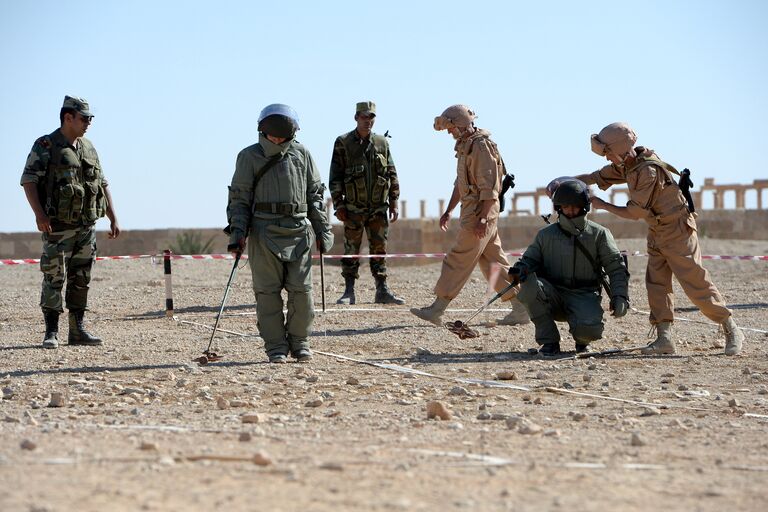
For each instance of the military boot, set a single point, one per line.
(517, 316)
(384, 295)
(51, 339)
(349, 291)
(77, 333)
(663, 344)
(733, 337)
(434, 312)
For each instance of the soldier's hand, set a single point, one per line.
(444, 220)
(518, 274)
(43, 223)
(237, 247)
(393, 213)
(480, 230)
(341, 214)
(114, 229)
(619, 306)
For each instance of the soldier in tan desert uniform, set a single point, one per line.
(477, 186)
(673, 246)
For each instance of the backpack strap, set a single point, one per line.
(598, 268)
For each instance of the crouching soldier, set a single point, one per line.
(276, 197)
(561, 273)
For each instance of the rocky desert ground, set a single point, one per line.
(136, 425)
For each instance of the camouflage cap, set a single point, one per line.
(78, 104)
(365, 107)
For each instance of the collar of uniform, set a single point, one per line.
(359, 139)
(59, 139)
(464, 144)
(270, 148)
(573, 226)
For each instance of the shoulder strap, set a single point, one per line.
(45, 141)
(598, 268)
(261, 172)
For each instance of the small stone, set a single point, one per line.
(28, 445)
(538, 400)
(312, 378)
(421, 351)
(586, 377)
(513, 421)
(317, 402)
(484, 416)
(592, 404)
(592, 366)
(148, 447)
(567, 385)
(578, 416)
(746, 371)
(682, 387)
(244, 437)
(506, 376)
(650, 411)
(734, 403)
(437, 409)
(222, 403)
(262, 458)
(459, 391)
(528, 428)
(332, 466)
(353, 381)
(541, 375)
(8, 393)
(238, 403)
(57, 399)
(252, 418)
(637, 440)
(552, 432)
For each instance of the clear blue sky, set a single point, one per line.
(177, 86)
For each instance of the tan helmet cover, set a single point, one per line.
(455, 115)
(619, 138)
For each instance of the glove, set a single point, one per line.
(518, 274)
(619, 306)
(325, 241)
(237, 246)
(341, 214)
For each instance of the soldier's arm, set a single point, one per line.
(484, 169)
(394, 183)
(114, 227)
(316, 207)
(336, 177)
(604, 178)
(35, 173)
(240, 198)
(611, 260)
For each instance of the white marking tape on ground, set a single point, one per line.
(705, 322)
(34, 261)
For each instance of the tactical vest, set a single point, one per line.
(74, 192)
(366, 181)
(667, 192)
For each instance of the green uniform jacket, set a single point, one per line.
(289, 190)
(363, 178)
(70, 182)
(554, 256)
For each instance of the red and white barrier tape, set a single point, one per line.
(31, 261)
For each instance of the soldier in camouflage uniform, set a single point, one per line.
(364, 190)
(276, 198)
(67, 191)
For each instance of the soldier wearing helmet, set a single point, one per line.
(673, 245)
(365, 190)
(480, 170)
(559, 283)
(276, 199)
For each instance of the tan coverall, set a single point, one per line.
(479, 174)
(673, 245)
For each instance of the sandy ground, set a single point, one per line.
(141, 427)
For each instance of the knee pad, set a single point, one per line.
(587, 332)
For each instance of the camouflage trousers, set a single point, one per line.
(67, 254)
(376, 227)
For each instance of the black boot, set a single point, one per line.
(349, 291)
(77, 333)
(51, 339)
(384, 295)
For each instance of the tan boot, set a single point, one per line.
(517, 316)
(663, 343)
(434, 312)
(733, 337)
